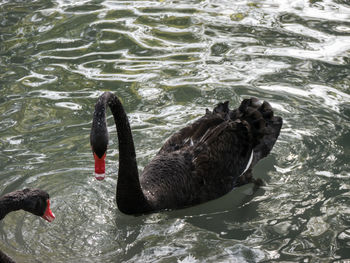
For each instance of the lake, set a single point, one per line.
(168, 61)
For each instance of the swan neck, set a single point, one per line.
(8, 203)
(11, 202)
(130, 198)
(5, 259)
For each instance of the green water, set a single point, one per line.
(168, 61)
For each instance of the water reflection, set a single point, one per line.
(169, 61)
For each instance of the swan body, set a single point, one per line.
(200, 162)
(34, 201)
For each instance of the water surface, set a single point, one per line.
(168, 61)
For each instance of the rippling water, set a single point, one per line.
(168, 61)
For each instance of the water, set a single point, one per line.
(168, 61)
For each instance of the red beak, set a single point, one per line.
(100, 167)
(48, 215)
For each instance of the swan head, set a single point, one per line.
(37, 202)
(99, 143)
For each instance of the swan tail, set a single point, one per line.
(265, 127)
(222, 107)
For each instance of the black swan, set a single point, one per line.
(34, 201)
(200, 162)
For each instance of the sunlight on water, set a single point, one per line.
(168, 61)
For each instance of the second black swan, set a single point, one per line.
(200, 162)
(34, 201)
